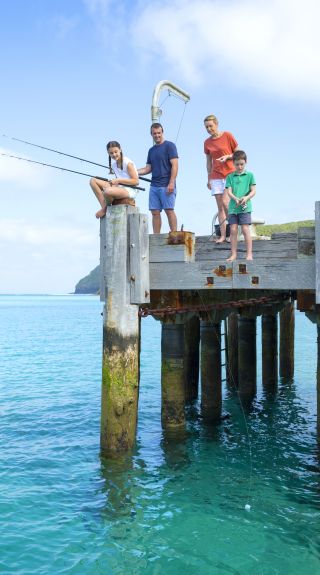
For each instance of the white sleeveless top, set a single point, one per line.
(124, 172)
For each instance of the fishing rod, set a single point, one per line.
(67, 170)
(64, 154)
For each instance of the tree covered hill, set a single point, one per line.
(90, 284)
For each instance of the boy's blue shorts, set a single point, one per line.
(159, 199)
(243, 218)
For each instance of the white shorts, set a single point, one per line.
(217, 186)
(132, 193)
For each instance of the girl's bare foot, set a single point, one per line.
(231, 258)
(228, 240)
(101, 213)
(220, 241)
(249, 258)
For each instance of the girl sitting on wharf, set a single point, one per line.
(115, 189)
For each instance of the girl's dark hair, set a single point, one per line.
(239, 155)
(114, 144)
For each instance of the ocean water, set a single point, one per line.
(177, 504)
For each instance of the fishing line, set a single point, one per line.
(64, 154)
(66, 170)
(247, 506)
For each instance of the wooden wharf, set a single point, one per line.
(185, 282)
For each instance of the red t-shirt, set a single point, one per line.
(217, 147)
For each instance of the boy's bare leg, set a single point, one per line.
(234, 242)
(156, 221)
(248, 239)
(172, 220)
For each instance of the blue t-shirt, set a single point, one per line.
(159, 157)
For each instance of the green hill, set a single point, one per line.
(90, 284)
(267, 230)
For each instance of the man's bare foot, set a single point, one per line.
(220, 241)
(231, 258)
(101, 213)
(249, 258)
(228, 240)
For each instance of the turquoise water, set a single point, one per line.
(177, 505)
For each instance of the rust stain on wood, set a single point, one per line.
(223, 272)
(182, 238)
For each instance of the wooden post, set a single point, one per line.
(120, 365)
(172, 375)
(269, 328)
(232, 366)
(318, 380)
(192, 343)
(287, 342)
(247, 356)
(211, 391)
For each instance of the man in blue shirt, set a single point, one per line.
(162, 161)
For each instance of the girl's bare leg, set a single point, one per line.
(115, 193)
(234, 242)
(248, 239)
(222, 203)
(97, 187)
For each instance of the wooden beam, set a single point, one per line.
(139, 259)
(317, 247)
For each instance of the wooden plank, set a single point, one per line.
(317, 256)
(162, 251)
(139, 259)
(184, 276)
(262, 249)
(306, 237)
(294, 274)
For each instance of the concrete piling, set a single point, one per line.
(247, 357)
(211, 391)
(287, 322)
(172, 375)
(269, 329)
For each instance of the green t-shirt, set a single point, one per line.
(240, 184)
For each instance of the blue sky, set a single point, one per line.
(79, 73)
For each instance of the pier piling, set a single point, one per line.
(232, 339)
(269, 329)
(211, 392)
(192, 351)
(286, 364)
(120, 363)
(247, 357)
(172, 374)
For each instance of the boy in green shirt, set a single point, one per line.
(241, 187)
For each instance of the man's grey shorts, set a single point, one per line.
(241, 219)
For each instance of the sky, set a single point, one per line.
(77, 74)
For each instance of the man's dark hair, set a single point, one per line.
(156, 125)
(239, 155)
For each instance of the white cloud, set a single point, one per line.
(20, 172)
(267, 46)
(22, 232)
(40, 258)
